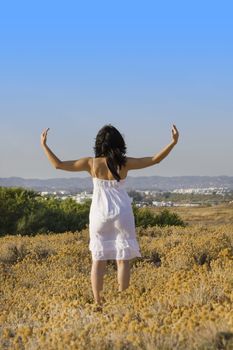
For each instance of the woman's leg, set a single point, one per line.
(97, 278)
(123, 274)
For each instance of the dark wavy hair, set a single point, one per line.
(110, 143)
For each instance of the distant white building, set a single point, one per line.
(162, 204)
(206, 191)
(82, 197)
(44, 193)
(141, 205)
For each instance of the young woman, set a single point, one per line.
(111, 221)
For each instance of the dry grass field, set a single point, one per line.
(214, 215)
(180, 294)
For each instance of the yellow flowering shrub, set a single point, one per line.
(180, 294)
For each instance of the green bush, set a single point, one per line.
(167, 218)
(144, 217)
(26, 212)
(15, 202)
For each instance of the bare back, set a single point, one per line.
(101, 170)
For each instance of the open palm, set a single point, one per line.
(175, 134)
(43, 137)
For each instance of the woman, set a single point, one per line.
(111, 221)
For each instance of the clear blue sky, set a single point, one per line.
(74, 66)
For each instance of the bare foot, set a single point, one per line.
(101, 301)
(97, 307)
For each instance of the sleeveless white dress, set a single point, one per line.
(111, 222)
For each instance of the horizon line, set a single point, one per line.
(129, 176)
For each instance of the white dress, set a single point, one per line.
(111, 222)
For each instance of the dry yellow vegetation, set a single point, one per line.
(180, 294)
(217, 214)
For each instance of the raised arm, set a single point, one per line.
(82, 164)
(139, 163)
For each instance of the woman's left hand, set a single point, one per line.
(43, 137)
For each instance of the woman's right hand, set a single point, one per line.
(43, 137)
(175, 134)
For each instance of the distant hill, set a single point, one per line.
(163, 183)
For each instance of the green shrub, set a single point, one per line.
(168, 218)
(144, 217)
(26, 212)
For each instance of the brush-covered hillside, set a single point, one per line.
(180, 294)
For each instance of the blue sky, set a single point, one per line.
(74, 66)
